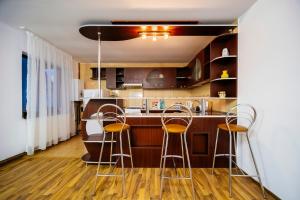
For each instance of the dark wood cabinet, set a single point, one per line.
(95, 73)
(183, 77)
(205, 67)
(197, 72)
(151, 78)
(134, 75)
(160, 78)
(111, 78)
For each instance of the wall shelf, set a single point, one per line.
(223, 58)
(219, 63)
(223, 79)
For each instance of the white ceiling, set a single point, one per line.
(58, 21)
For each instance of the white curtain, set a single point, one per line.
(50, 112)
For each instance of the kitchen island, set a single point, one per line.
(146, 138)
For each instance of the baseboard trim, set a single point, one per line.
(20, 155)
(15, 157)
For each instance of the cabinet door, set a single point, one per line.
(134, 75)
(157, 78)
(111, 78)
(170, 77)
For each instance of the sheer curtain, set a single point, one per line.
(50, 112)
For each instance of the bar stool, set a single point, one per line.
(113, 113)
(177, 125)
(245, 115)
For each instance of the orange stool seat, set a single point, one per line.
(175, 128)
(116, 127)
(233, 128)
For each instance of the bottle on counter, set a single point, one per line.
(162, 104)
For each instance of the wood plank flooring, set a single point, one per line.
(58, 173)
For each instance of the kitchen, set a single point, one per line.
(123, 101)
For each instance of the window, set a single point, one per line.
(24, 85)
(53, 89)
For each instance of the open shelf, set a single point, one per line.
(224, 79)
(223, 58)
(219, 63)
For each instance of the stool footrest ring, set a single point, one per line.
(119, 154)
(219, 155)
(172, 156)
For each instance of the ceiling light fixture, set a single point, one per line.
(154, 37)
(154, 32)
(144, 36)
(154, 28)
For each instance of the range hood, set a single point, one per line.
(132, 85)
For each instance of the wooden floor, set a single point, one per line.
(58, 173)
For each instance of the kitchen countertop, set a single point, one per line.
(196, 115)
(158, 115)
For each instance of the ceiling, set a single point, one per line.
(58, 21)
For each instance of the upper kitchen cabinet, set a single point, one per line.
(159, 78)
(197, 72)
(95, 73)
(134, 75)
(183, 77)
(111, 78)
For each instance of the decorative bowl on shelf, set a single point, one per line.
(224, 74)
(222, 94)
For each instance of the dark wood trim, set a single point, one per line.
(10, 159)
(78, 66)
(129, 31)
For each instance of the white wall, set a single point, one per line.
(269, 79)
(12, 126)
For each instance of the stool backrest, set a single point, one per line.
(243, 114)
(111, 112)
(185, 116)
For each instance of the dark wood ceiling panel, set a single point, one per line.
(126, 32)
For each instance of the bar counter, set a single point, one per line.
(146, 138)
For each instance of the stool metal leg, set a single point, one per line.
(255, 165)
(230, 165)
(182, 153)
(122, 164)
(129, 145)
(189, 165)
(215, 151)
(164, 166)
(99, 162)
(111, 148)
(162, 153)
(235, 143)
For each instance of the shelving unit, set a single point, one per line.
(219, 63)
(119, 77)
(95, 73)
(183, 77)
